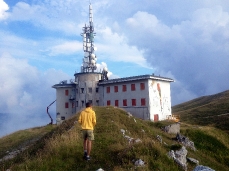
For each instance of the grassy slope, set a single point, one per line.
(62, 149)
(206, 110)
(22, 138)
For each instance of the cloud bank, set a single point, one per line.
(25, 93)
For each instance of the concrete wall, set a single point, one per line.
(156, 95)
(160, 99)
(86, 86)
(63, 113)
(138, 110)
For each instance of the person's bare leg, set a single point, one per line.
(85, 142)
(88, 147)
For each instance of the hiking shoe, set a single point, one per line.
(88, 158)
(85, 155)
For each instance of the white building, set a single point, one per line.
(145, 96)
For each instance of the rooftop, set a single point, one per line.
(134, 78)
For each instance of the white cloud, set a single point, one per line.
(116, 47)
(194, 51)
(3, 8)
(26, 92)
(66, 48)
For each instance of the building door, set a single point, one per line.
(156, 117)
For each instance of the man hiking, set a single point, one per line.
(87, 119)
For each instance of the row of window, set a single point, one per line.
(108, 89)
(117, 103)
(77, 104)
(82, 90)
(124, 88)
(133, 102)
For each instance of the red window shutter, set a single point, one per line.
(143, 102)
(108, 102)
(124, 102)
(132, 87)
(116, 103)
(66, 92)
(123, 88)
(66, 105)
(115, 89)
(142, 86)
(133, 102)
(108, 89)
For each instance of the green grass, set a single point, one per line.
(61, 148)
(206, 111)
(22, 138)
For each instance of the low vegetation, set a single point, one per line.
(61, 148)
(210, 110)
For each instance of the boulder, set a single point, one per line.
(185, 141)
(202, 168)
(172, 129)
(179, 156)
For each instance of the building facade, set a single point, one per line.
(145, 96)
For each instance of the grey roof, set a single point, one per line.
(135, 78)
(64, 85)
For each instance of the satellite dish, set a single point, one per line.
(93, 61)
(92, 56)
(85, 60)
(86, 54)
(84, 64)
(105, 69)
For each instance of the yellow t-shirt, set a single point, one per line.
(87, 118)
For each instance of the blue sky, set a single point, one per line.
(40, 45)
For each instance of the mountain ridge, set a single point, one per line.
(60, 148)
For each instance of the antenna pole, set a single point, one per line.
(89, 60)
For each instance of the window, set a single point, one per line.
(108, 89)
(143, 102)
(133, 102)
(142, 86)
(132, 87)
(62, 117)
(90, 90)
(73, 104)
(108, 102)
(116, 103)
(77, 90)
(123, 88)
(77, 104)
(97, 90)
(90, 101)
(66, 105)
(97, 102)
(82, 90)
(82, 103)
(124, 102)
(115, 89)
(66, 92)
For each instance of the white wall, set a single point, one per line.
(160, 99)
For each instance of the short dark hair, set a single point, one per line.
(88, 104)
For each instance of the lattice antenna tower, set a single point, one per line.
(89, 60)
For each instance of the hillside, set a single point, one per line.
(61, 147)
(210, 110)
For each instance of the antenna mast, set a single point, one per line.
(89, 60)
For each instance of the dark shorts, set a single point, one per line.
(88, 134)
